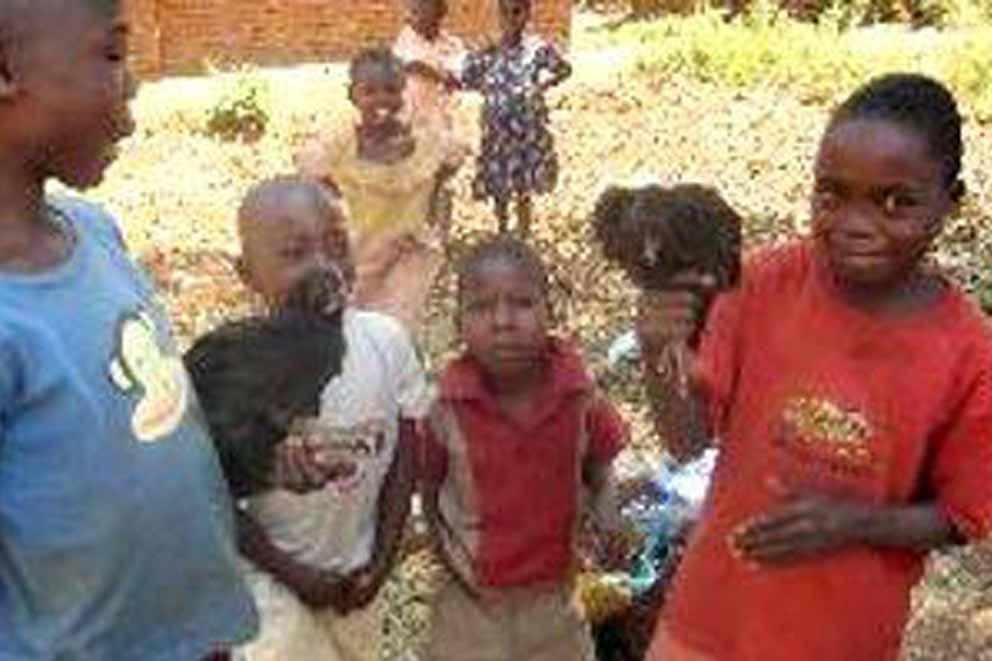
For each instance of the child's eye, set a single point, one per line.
(478, 305)
(524, 302)
(900, 203)
(293, 253)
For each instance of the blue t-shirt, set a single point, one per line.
(116, 537)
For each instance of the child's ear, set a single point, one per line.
(936, 224)
(241, 268)
(957, 192)
(951, 205)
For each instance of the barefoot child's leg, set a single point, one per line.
(525, 211)
(502, 207)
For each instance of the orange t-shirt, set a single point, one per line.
(809, 390)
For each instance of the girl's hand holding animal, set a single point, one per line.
(672, 315)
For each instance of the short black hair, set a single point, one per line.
(919, 103)
(109, 7)
(382, 59)
(442, 5)
(652, 233)
(254, 377)
(26, 23)
(503, 247)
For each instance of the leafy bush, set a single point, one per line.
(241, 113)
(917, 12)
(816, 61)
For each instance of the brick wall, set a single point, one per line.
(180, 36)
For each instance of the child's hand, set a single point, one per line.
(320, 591)
(672, 315)
(298, 467)
(362, 587)
(617, 548)
(807, 525)
(452, 83)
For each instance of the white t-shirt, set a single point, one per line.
(381, 379)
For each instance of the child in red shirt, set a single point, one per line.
(847, 382)
(517, 442)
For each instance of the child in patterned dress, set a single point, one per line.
(518, 156)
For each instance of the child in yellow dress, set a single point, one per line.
(391, 176)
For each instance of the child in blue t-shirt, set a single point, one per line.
(115, 525)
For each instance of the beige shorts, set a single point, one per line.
(290, 631)
(520, 624)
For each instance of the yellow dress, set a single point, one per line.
(396, 253)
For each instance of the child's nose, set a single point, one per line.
(503, 315)
(859, 221)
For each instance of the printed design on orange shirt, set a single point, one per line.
(141, 367)
(353, 452)
(821, 426)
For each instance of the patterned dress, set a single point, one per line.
(518, 154)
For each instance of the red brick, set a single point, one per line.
(180, 36)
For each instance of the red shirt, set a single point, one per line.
(809, 390)
(510, 490)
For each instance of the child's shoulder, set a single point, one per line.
(965, 318)
(381, 329)
(535, 40)
(486, 53)
(89, 218)
(376, 322)
(777, 268)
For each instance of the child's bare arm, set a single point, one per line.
(559, 69)
(808, 525)
(666, 321)
(604, 501)
(313, 162)
(393, 510)
(315, 588)
(394, 500)
(439, 76)
(558, 76)
(614, 542)
(429, 479)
